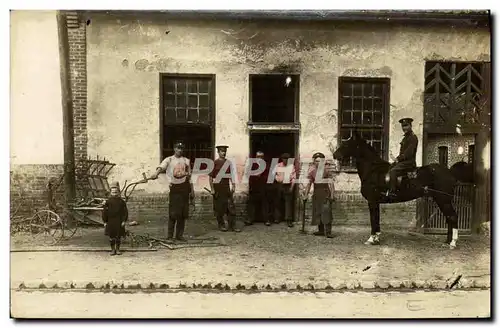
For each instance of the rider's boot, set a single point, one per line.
(390, 194)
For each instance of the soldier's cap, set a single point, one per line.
(222, 147)
(406, 121)
(115, 184)
(318, 154)
(285, 156)
(179, 144)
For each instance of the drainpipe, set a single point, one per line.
(67, 109)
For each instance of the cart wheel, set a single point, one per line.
(46, 223)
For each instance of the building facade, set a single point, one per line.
(143, 80)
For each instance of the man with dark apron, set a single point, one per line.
(223, 188)
(323, 196)
(284, 182)
(258, 200)
(181, 193)
(406, 160)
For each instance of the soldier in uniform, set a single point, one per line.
(407, 156)
(181, 190)
(222, 191)
(323, 196)
(114, 216)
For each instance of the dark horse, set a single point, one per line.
(432, 180)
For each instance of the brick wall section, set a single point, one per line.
(78, 72)
(452, 141)
(351, 209)
(28, 186)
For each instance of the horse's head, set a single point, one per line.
(349, 148)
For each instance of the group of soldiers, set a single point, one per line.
(270, 191)
(271, 198)
(271, 194)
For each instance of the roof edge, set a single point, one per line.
(456, 17)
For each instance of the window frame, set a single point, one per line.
(386, 82)
(212, 107)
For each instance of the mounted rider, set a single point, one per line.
(406, 160)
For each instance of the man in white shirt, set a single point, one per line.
(178, 169)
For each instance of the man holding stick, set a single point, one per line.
(181, 190)
(222, 189)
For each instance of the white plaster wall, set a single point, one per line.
(126, 56)
(35, 91)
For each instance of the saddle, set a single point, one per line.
(408, 175)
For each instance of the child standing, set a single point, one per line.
(114, 216)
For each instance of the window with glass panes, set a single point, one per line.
(188, 114)
(364, 107)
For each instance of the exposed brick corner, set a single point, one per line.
(78, 72)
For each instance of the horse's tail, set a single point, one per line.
(463, 172)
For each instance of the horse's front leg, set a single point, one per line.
(446, 206)
(453, 223)
(374, 223)
(449, 232)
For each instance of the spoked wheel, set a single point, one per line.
(47, 226)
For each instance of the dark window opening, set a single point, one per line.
(274, 98)
(443, 155)
(188, 114)
(364, 107)
(273, 144)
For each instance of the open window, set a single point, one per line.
(274, 98)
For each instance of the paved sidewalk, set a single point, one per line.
(284, 305)
(266, 258)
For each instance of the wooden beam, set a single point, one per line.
(482, 204)
(271, 127)
(67, 108)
